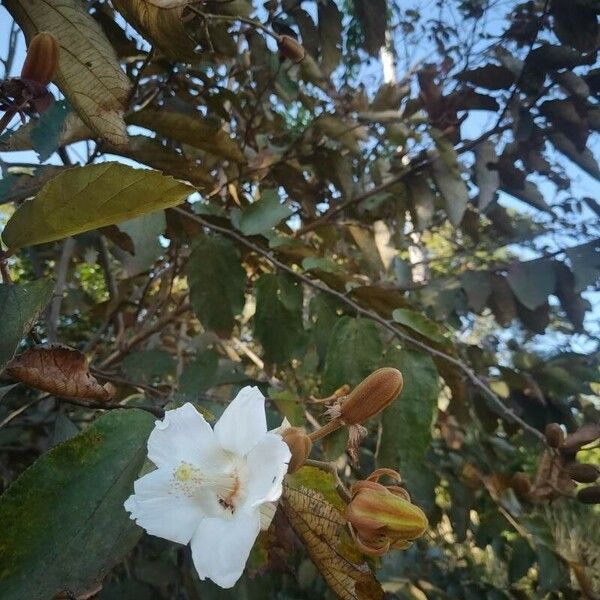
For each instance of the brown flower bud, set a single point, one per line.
(299, 444)
(554, 435)
(383, 517)
(290, 48)
(589, 495)
(371, 395)
(521, 483)
(42, 59)
(583, 473)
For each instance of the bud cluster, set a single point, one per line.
(559, 471)
(381, 517)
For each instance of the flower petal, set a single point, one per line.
(243, 423)
(184, 436)
(161, 510)
(267, 465)
(220, 547)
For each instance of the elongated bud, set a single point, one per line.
(371, 395)
(554, 435)
(589, 495)
(583, 473)
(383, 517)
(42, 59)
(299, 444)
(290, 48)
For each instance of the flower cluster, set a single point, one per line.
(217, 488)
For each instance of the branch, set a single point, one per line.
(61, 280)
(385, 323)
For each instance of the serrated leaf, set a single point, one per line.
(408, 420)
(195, 130)
(217, 282)
(85, 198)
(20, 306)
(532, 281)
(264, 214)
(420, 323)
(278, 318)
(353, 352)
(322, 528)
(63, 521)
(88, 72)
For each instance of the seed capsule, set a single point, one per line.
(583, 473)
(554, 435)
(371, 395)
(290, 48)
(41, 62)
(589, 495)
(299, 444)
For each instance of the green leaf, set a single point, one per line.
(144, 233)
(532, 282)
(264, 214)
(217, 282)
(46, 132)
(148, 365)
(63, 521)
(278, 319)
(354, 351)
(90, 197)
(420, 323)
(585, 263)
(478, 287)
(199, 375)
(407, 421)
(20, 306)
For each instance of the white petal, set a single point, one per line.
(184, 436)
(243, 423)
(285, 424)
(161, 510)
(267, 465)
(220, 547)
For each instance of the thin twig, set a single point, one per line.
(62, 269)
(385, 323)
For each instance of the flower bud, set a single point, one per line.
(290, 48)
(554, 435)
(583, 473)
(371, 395)
(299, 444)
(383, 517)
(589, 495)
(42, 59)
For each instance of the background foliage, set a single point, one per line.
(197, 212)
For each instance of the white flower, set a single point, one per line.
(211, 487)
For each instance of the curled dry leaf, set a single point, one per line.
(60, 371)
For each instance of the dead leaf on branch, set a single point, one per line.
(321, 526)
(60, 371)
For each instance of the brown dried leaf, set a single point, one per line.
(60, 371)
(320, 526)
